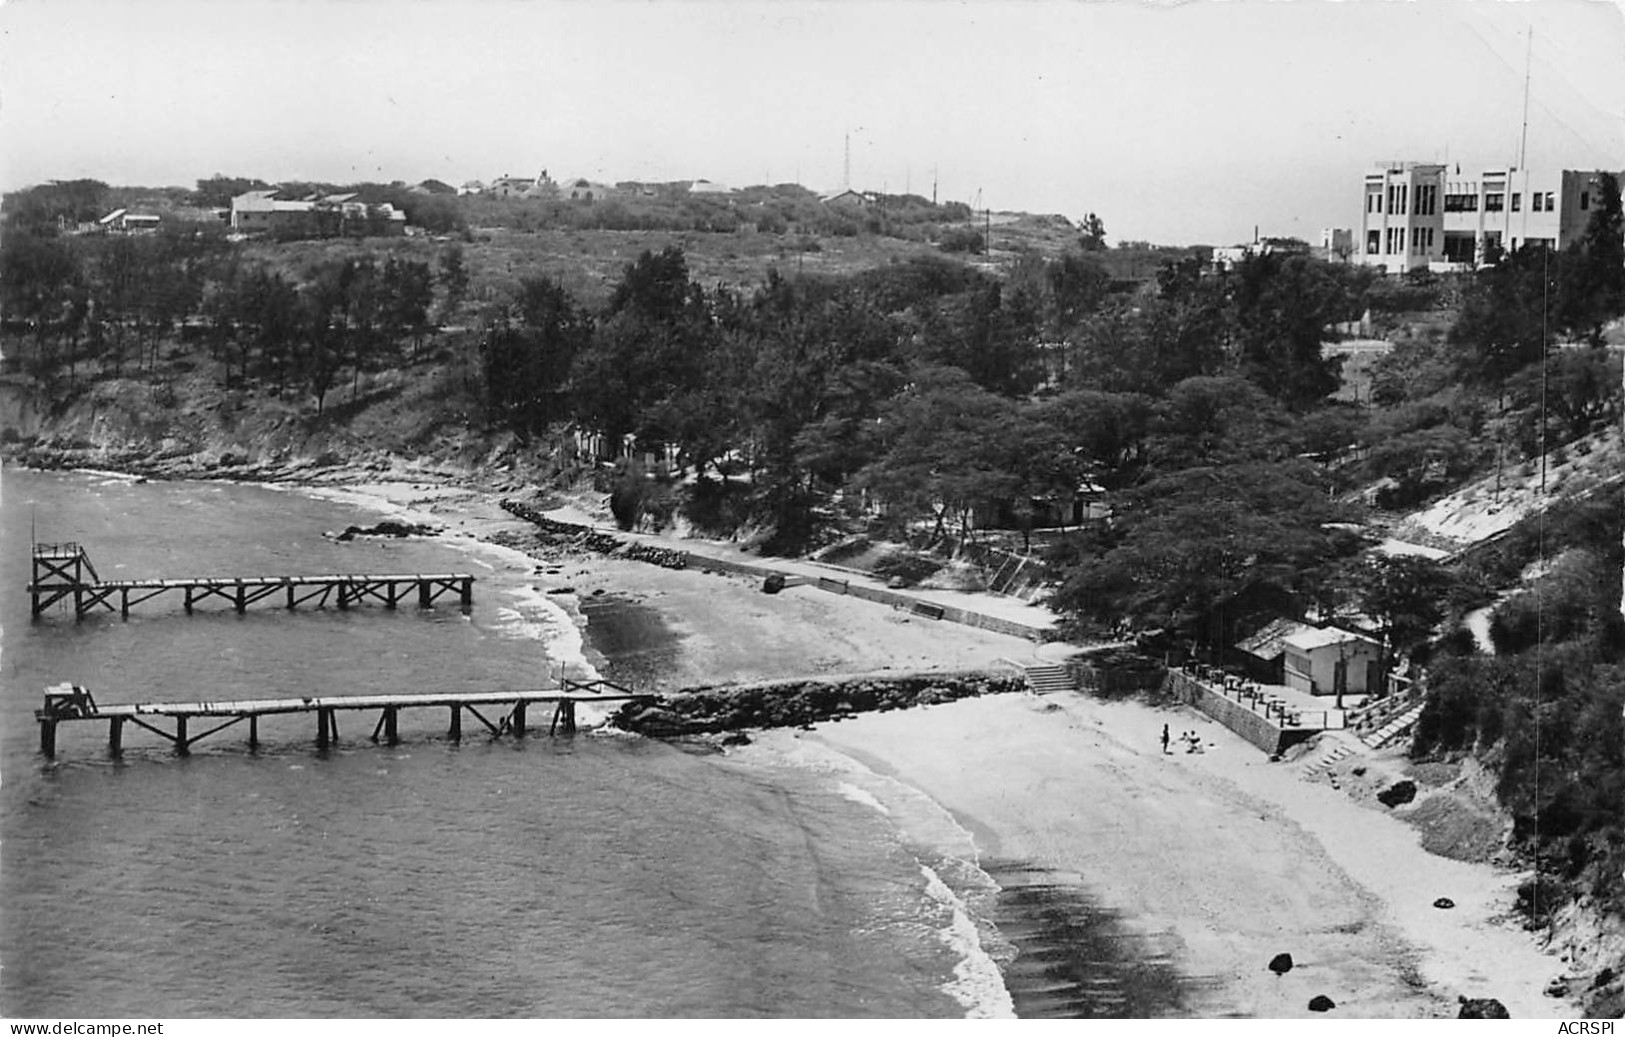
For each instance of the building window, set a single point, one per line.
(1427, 199)
(1494, 202)
(1517, 201)
(1551, 204)
(1373, 243)
(1585, 199)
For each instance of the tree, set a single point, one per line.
(648, 351)
(1104, 432)
(1281, 306)
(1592, 289)
(1195, 552)
(951, 449)
(1502, 326)
(1405, 593)
(526, 354)
(454, 281)
(1217, 421)
(217, 191)
(1093, 236)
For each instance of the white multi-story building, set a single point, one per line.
(1418, 215)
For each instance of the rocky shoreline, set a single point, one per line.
(719, 709)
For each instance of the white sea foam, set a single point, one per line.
(921, 820)
(857, 795)
(529, 614)
(977, 984)
(109, 478)
(933, 834)
(536, 616)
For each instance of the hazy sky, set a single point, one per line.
(1177, 123)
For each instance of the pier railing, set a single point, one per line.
(63, 572)
(67, 703)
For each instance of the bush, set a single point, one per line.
(962, 239)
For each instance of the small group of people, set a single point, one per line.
(1190, 739)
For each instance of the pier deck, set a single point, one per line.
(66, 703)
(63, 571)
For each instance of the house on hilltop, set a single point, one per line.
(505, 186)
(709, 187)
(848, 199)
(583, 190)
(1419, 215)
(123, 221)
(259, 212)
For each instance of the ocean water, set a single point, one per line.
(598, 875)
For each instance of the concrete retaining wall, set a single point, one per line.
(674, 559)
(832, 585)
(1263, 733)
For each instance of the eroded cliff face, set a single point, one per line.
(193, 426)
(1591, 944)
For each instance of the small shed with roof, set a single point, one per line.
(1329, 660)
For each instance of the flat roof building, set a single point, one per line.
(1421, 216)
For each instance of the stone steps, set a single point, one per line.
(1046, 679)
(1394, 728)
(1339, 752)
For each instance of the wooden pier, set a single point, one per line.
(63, 571)
(67, 703)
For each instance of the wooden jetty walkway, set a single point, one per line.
(63, 571)
(67, 703)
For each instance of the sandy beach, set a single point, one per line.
(1219, 859)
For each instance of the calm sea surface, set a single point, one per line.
(600, 875)
(593, 876)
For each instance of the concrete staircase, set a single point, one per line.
(1339, 751)
(1048, 678)
(1394, 728)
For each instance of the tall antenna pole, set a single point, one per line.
(847, 177)
(1528, 55)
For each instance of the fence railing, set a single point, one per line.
(1255, 697)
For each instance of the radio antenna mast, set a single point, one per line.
(1529, 51)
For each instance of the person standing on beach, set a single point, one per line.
(1165, 739)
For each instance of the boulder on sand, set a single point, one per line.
(1281, 964)
(1402, 791)
(1482, 1008)
(1321, 1003)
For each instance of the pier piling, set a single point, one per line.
(65, 703)
(63, 571)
